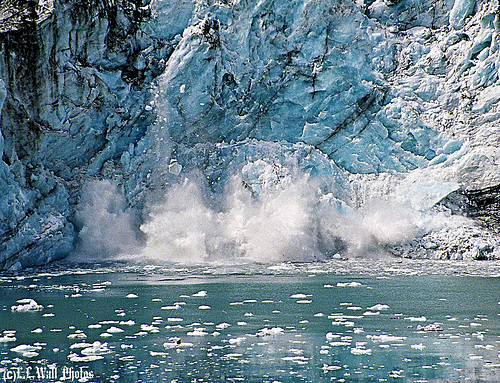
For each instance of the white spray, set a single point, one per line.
(109, 229)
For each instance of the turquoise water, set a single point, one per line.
(339, 321)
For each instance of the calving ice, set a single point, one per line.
(46, 373)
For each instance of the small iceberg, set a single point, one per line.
(270, 331)
(430, 327)
(26, 305)
(26, 350)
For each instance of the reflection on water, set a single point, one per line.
(383, 321)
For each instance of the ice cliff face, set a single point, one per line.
(388, 101)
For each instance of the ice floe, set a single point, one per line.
(348, 284)
(430, 327)
(27, 350)
(26, 305)
(270, 331)
(200, 294)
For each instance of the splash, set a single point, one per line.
(108, 227)
(269, 213)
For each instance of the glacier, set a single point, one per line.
(248, 130)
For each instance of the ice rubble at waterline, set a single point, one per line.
(270, 213)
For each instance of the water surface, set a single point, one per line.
(365, 321)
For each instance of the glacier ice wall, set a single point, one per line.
(376, 103)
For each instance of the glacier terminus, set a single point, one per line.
(249, 130)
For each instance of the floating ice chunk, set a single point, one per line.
(237, 340)
(132, 296)
(248, 315)
(304, 301)
(397, 373)
(233, 355)
(26, 305)
(27, 350)
(348, 284)
(419, 346)
(327, 286)
(475, 357)
(486, 347)
(270, 331)
(47, 315)
(430, 327)
(105, 335)
(296, 359)
(7, 338)
(114, 330)
(319, 315)
(126, 346)
(79, 334)
(84, 359)
(386, 338)
(108, 322)
(182, 88)
(330, 336)
(176, 343)
(241, 323)
(361, 351)
(97, 348)
(348, 324)
(127, 323)
(80, 345)
(129, 358)
(174, 307)
(416, 319)
(150, 328)
(197, 332)
(204, 307)
(371, 313)
(300, 296)
(175, 319)
(354, 308)
(200, 294)
(327, 367)
(378, 307)
(94, 325)
(222, 326)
